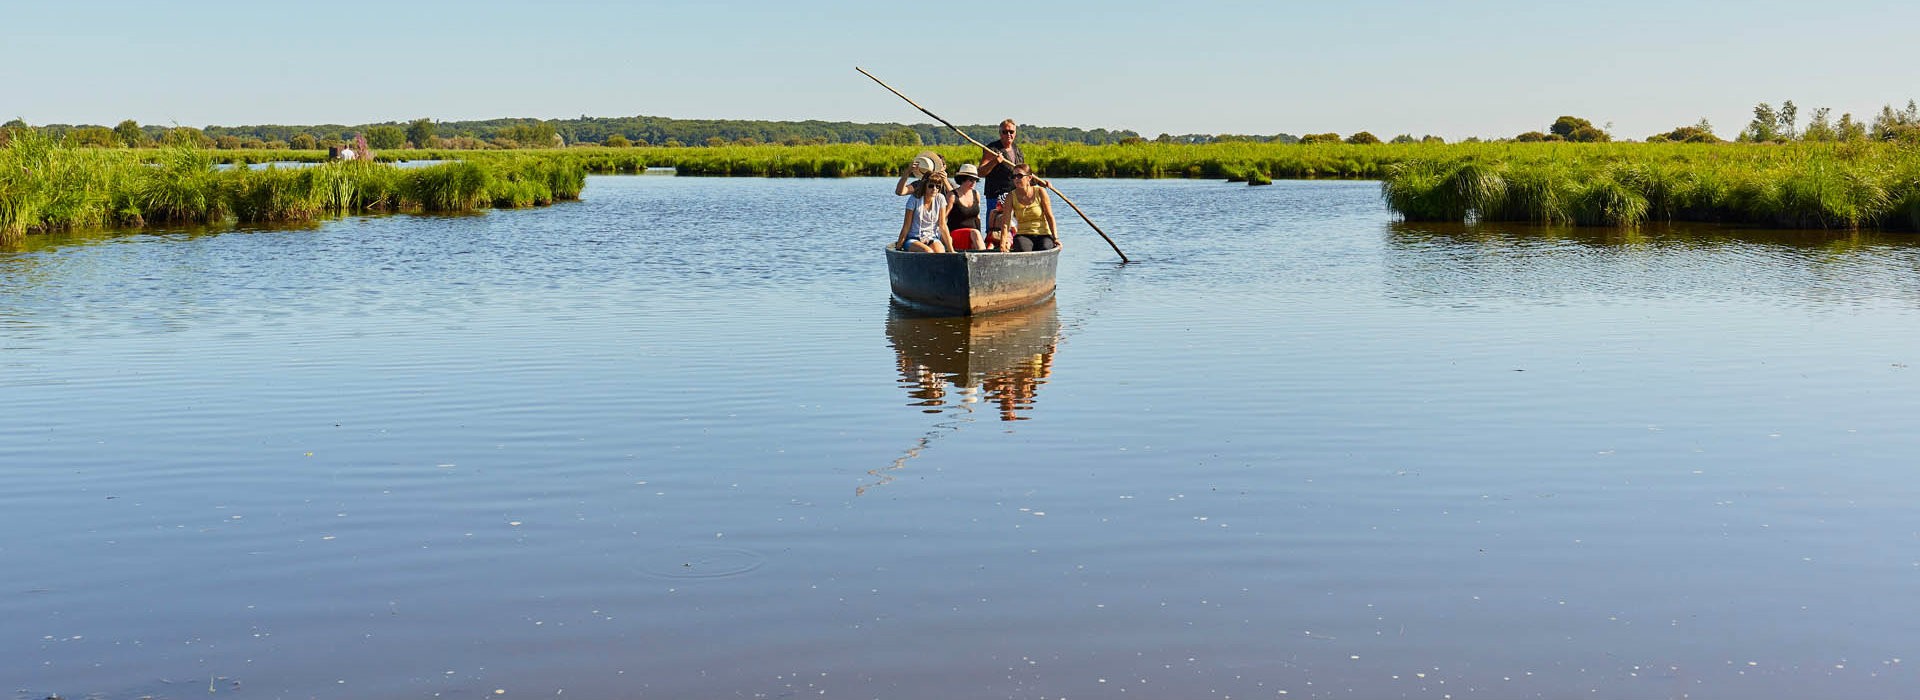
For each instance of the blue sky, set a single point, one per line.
(1387, 66)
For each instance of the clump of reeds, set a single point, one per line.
(183, 187)
(274, 195)
(45, 186)
(1604, 201)
(1534, 195)
(1623, 185)
(455, 186)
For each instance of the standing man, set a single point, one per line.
(997, 164)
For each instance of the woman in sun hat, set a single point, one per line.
(963, 212)
(924, 229)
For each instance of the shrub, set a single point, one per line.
(1698, 133)
(1588, 134)
(1566, 126)
(92, 137)
(386, 137)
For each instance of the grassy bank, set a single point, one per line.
(1148, 160)
(1802, 185)
(46, 187)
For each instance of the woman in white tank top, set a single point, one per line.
(924, 229)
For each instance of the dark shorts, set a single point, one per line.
(1028, 244)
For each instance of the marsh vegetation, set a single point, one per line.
(46, 186)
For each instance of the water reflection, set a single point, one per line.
(1454, 263)
(957, 362)
(1001, 359)
(1678, 235)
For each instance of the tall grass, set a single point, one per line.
(1623, 185)
(47, 187)
(43, 186)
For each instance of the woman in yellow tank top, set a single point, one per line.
(1031, 212)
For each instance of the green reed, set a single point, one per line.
(1619, 184)
(47, 187)
(1623, 185)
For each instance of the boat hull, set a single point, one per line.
(965, 284)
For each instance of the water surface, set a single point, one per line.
(671, 441)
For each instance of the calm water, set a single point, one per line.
(670, 442)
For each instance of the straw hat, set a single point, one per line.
(921, 166)
(925, 162)
(967, 170)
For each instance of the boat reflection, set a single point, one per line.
(955, 362)
(1000, 358)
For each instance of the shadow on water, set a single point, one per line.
(49, 242)
(950, 363)
(57, 240)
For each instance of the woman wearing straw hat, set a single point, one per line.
(963, 214)
(924, 229)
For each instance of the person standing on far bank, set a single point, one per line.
(997, 163)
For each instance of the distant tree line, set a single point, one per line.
(1769, 125)
(624, 132)
(1782, 125)
(548, 133)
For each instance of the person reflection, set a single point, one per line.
(1000, 358)
(1014, 390)
(926, 385)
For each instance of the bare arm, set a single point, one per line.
(1002, 224)
(906, 223)
(988, 161)
(946, 236)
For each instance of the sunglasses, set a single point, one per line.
(1006, 131)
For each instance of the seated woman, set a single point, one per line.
(1031, 214)
(924, 229)
(963, 215)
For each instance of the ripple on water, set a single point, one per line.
(701, 562)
